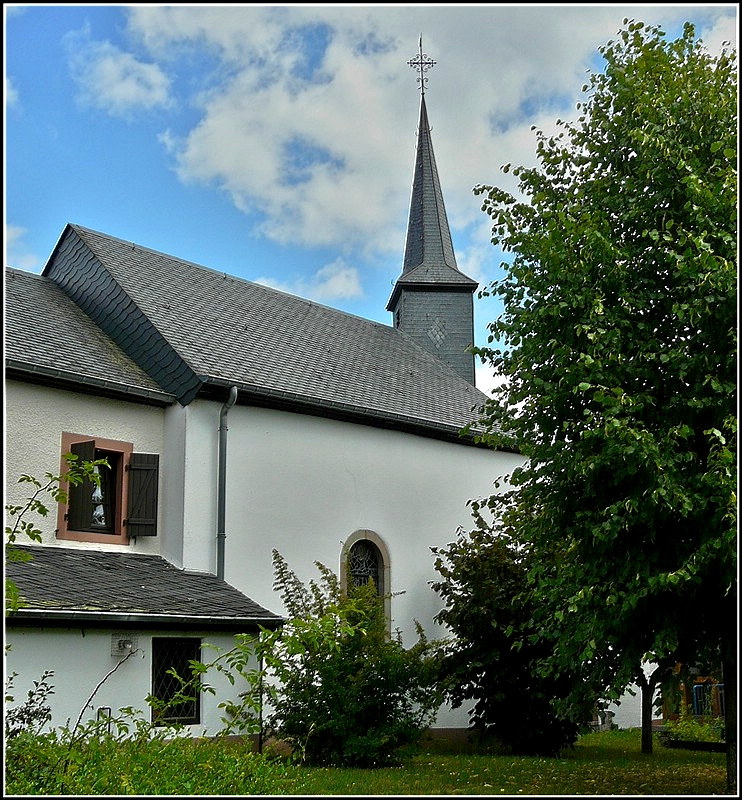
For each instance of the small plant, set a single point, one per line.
(689, 728)
(34, 713)
(346, 694)
(36, 503)
(54, 761)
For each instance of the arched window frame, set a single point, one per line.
(384, 571)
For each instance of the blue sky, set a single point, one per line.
(277, 143)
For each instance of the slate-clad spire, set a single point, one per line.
(428, 235)
(432, 300)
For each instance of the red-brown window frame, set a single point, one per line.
(119, 535)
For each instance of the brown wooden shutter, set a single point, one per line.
(142, 474)
(80, 497)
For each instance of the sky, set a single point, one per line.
(277, 142)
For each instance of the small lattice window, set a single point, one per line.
(437, 332)
(182, 703)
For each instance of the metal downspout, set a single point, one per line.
(222, 483)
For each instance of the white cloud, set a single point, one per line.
(335, 281)
(113, 80)
(16, 252)
(268, 109)
(485, 378)
(11, 93)
(724, 29)
(319, 139)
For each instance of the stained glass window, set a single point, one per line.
(364, 564)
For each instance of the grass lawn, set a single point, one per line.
(601, 763)
(609, 763)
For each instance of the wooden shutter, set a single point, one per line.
(80, 497)
(142, 474)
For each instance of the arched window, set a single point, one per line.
(365, 556)
(364, 563)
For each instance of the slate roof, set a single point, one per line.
(195, 329)
(49, 338)
(64, 585)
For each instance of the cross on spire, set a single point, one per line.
(422, 63)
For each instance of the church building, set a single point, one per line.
(237, 420)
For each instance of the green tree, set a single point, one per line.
(490, 659)
(618, 340)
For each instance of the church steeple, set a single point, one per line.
(432, 300)
(428, 235)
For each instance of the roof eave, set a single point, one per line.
(63, 379)
(45, 617)
(302, 404)
(430, 286)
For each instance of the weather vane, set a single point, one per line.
(422, 63)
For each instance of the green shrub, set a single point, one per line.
(688, 728)
(495, 654)
(345, 693)
(180, 766)
(31, 715)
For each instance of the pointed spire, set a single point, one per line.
(432, 300)
(428, 234)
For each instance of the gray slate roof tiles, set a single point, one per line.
(211, 327)
(428, 235)
(46, 334)
(118, 588)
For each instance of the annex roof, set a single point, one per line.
(196, 331)
(63, 585)
(51, 339)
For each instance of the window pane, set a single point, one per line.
(104, 496)
(364, 564)
(102, 517)
(175, 654)
(93, 507)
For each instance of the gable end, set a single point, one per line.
(81, 275)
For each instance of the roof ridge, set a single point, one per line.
(239, 279)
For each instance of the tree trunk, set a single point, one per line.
(729, 676)
(647, 687)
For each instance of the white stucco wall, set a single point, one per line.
(81, 658)
(172, 485)
(304, 484)
(35, 418)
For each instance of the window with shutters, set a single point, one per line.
(180, 696)
(123, 506)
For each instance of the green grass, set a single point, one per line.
(609, 763)
(601, 763)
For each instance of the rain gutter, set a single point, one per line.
(222, 483)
